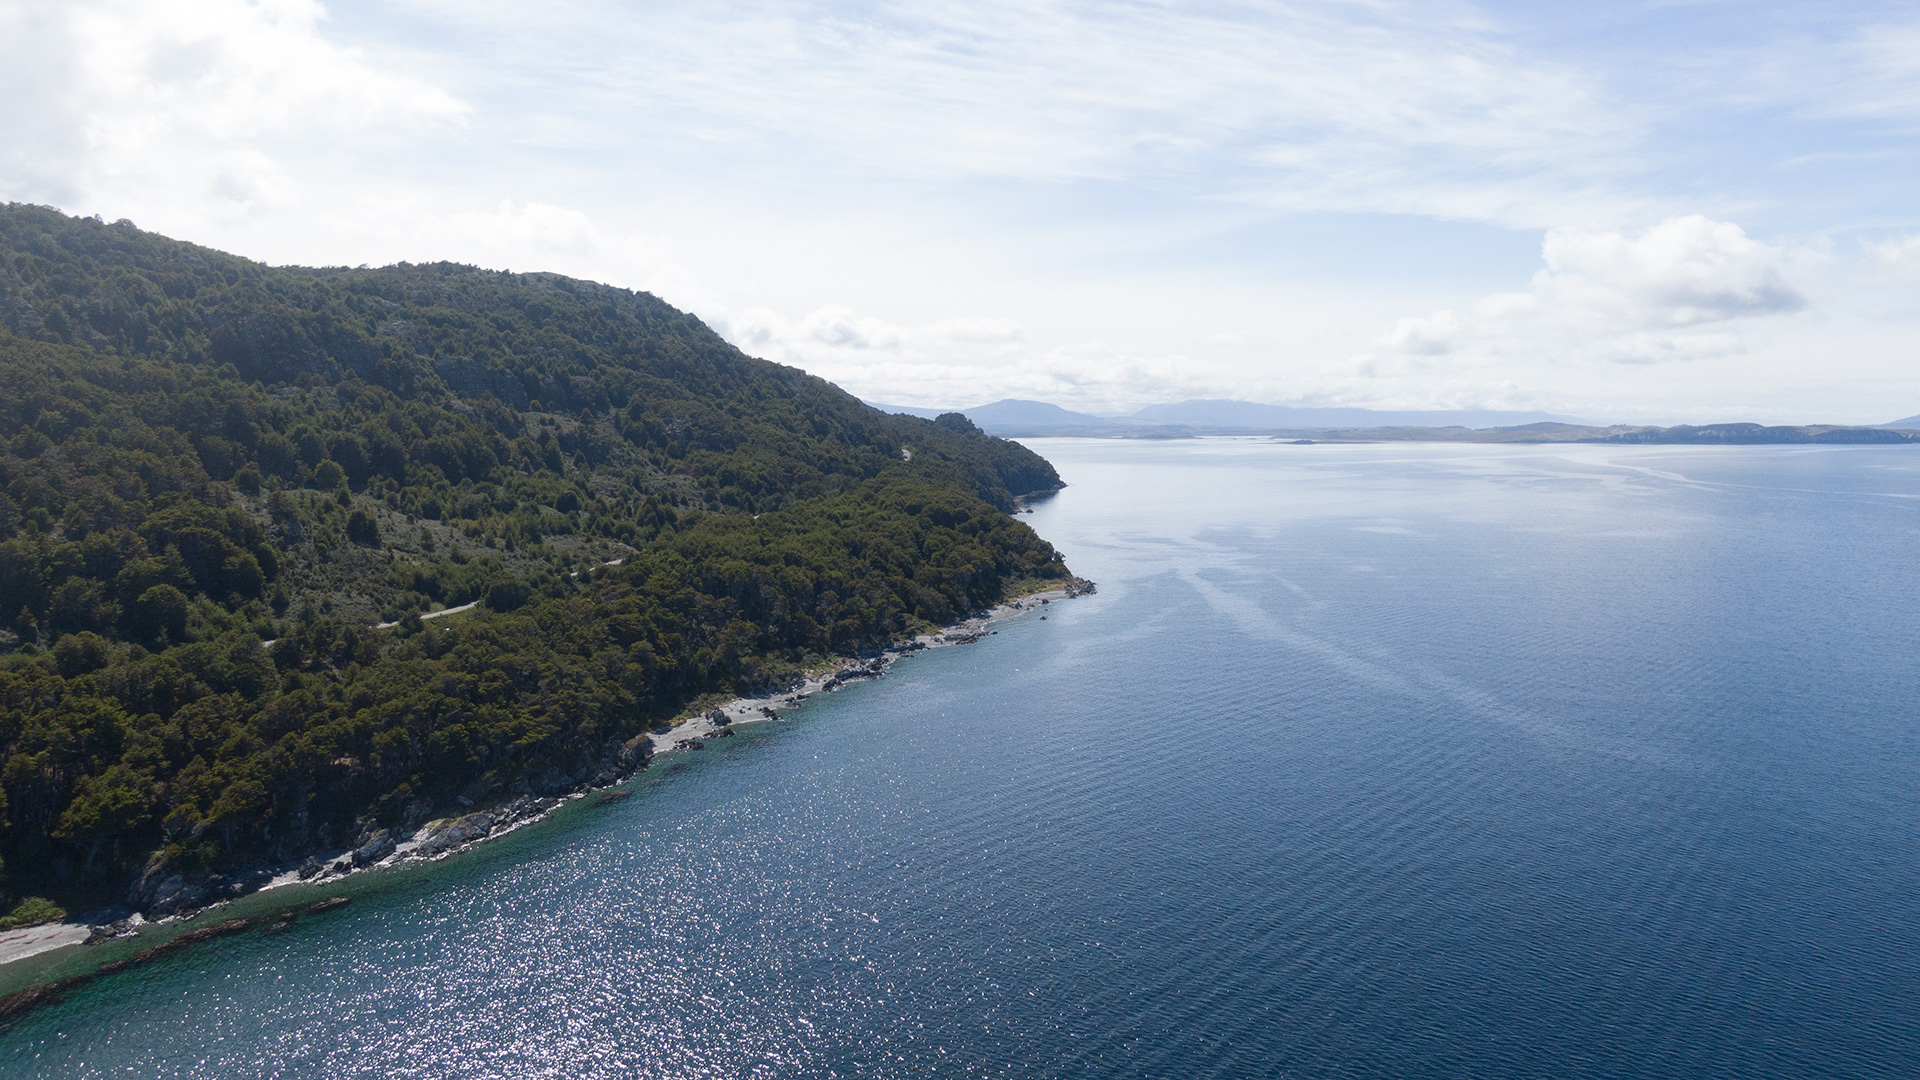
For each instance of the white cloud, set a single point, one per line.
(874, 357)
(510, 233)
(41, 128)
(1897, 257)
(1875, 74)
(941, 204)
(178, 103)
(1386, 106)
(970, 360)
(965, 360)
(1884, 284)
(1684, 289)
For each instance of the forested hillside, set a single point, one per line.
(218, 476)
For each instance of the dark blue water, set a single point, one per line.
(1402, 761)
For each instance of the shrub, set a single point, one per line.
(507, 596)
(362, 529)
(161, 610)
(328, 475)
(78, 654)
(32, 911)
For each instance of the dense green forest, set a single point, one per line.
(217, 478)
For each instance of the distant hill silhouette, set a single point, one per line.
(1017, 417)
(1013, 414)
(1250, 416)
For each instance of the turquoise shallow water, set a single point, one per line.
(1412, 761)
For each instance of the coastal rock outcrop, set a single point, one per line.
(176, 892)
(165, 889)
(115, 922)
(438, 836)
(446, 834)
(374, 847)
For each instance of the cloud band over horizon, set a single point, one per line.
(1644, 212)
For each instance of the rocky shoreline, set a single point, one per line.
(167, 895)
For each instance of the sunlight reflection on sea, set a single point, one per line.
(1414, 761)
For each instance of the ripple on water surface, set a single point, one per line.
(1365, 761)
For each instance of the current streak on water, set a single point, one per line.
(1404, 761)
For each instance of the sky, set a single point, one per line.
(1631, 211)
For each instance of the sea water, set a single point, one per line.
(1394, 760)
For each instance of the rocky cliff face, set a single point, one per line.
(171, 886)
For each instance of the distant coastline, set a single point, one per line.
(1192, 419)
(1679, 435)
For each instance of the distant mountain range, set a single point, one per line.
(1012, 417)
(1015, 417)
(1248, 416)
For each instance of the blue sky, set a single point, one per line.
(1654, 211)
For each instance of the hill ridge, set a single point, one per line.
(199, 453)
